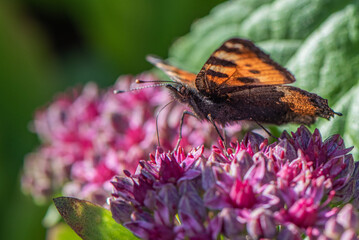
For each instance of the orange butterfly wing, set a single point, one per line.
(237, 63)
(174, 73)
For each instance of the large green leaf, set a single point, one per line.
(348, 126)
(90, 221)
(316, 40)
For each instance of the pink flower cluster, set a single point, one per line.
(253, 190)
(89, 135)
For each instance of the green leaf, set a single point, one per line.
(257, 20)
(347, 126)
(192, 50)
(90, 221)
(281, 50)
(318, 41)
(327, 62)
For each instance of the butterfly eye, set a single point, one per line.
(184, 90)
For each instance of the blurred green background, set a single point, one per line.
(48, 46)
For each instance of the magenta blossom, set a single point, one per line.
(88, 136)
(283, 190)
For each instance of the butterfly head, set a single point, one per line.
(180, 91)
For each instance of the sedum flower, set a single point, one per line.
(343, 225)
(253, 189)
(90, 135)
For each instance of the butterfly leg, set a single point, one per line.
(268, 132)
(209, 116)
(180, 128)
(224, 134)
(157, 115)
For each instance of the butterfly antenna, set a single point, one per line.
(157, 115)
(138, 81)
(140, 88)
(158, 83)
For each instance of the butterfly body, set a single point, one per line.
(240, 82)
(265, 104)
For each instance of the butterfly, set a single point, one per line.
(241, 82)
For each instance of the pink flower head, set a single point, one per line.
(90, 135)
(251, 190)
(343, 225)
(157, 187)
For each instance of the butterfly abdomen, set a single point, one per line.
(304, 106)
